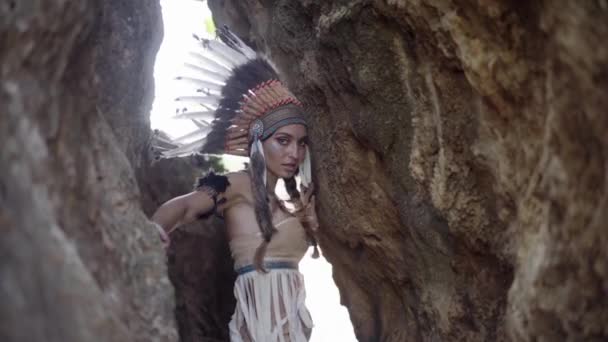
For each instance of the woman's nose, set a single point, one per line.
(292, 151)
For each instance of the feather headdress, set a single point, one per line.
(232, 87)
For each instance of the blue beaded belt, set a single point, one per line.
(269, 265)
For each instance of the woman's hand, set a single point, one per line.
(308, 214)
(164, 237)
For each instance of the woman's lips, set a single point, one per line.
(290, 167)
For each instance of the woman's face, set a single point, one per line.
(285, 150)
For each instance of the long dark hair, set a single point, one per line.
(263, 215)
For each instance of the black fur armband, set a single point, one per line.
(213, 185)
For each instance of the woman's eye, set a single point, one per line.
(302, 143)
(283, 141)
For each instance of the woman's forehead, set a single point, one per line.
(295, 130)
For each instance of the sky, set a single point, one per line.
(181, 19)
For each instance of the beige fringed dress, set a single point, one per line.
(270, 307)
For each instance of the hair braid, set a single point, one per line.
(294, 195)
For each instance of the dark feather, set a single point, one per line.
(219, 183)
(213, 185)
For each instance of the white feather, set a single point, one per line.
(159, 148)
(202, 84)
(186, 149)
(199, 133)
(207, 74)
(208, 99)
(206, 115)
(164, 140)
(305, 169)
(208, 68)
(200, 123)
(225, 53)
(203, 57)
(209, 107)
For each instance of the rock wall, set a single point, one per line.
(80, 262)
(460, 153)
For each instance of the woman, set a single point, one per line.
(253, 114)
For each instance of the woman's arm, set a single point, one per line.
(187, 208)
(182, 210)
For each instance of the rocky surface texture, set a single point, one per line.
(460, 151)
(79, 259)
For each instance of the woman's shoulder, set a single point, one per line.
(240, 181)
(239, 189)
(238, 177)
